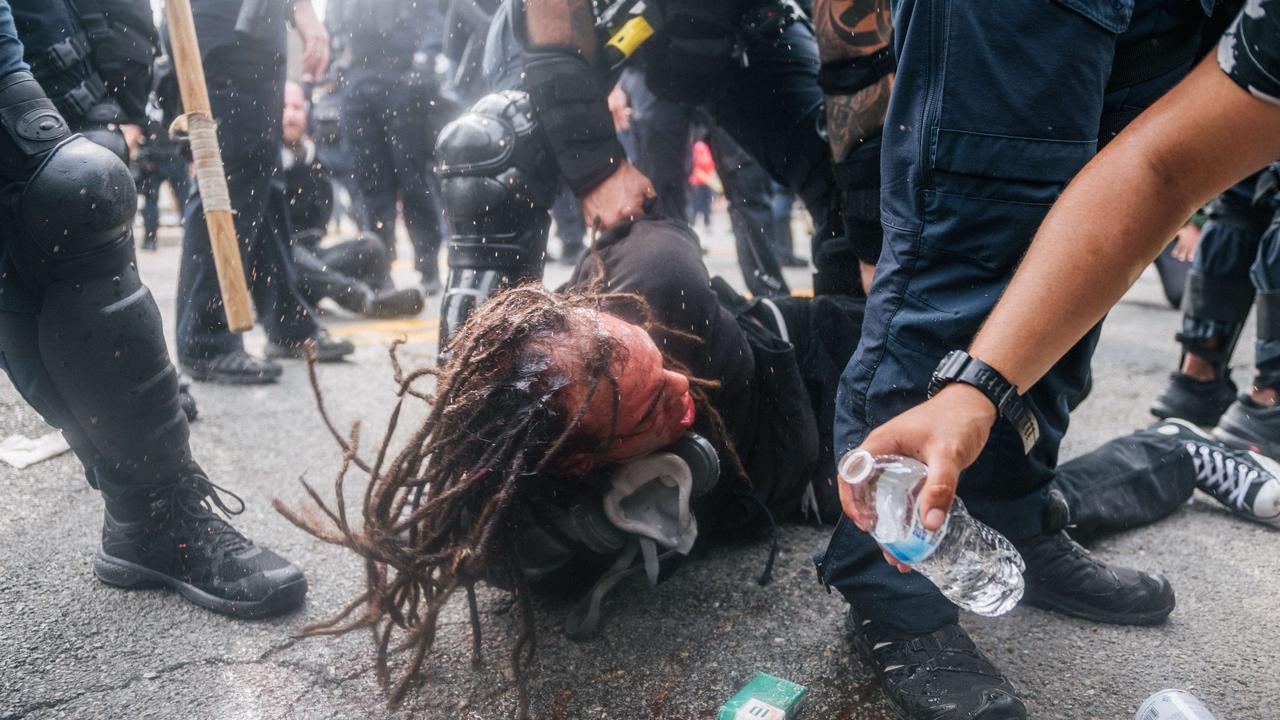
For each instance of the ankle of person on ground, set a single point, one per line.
(1198, 368)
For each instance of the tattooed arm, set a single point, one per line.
(561, 23)
(853, 29)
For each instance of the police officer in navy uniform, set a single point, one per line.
(243, 45)
(81, 339)
(390, 99)
(992, 113)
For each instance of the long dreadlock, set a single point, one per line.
(435, 514)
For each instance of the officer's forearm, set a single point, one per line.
(566, 89)
(561, 23)
(1119, 212)
(853, 30)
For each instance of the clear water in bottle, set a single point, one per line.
(976, 567)
(1173, 705)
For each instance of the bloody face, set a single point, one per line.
(654, 405)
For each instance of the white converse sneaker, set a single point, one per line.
(1247, 483)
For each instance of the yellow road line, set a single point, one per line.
(391, 327)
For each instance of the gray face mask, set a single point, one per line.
(649, 502)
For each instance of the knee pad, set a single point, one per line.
(498, 181)
(76, 212)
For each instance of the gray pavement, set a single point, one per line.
(73, 648)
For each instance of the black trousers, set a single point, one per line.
(152, 173)
(662, 131)
(386, 126)
(247, 102)
(343, 271)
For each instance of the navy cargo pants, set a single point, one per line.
(992, 113)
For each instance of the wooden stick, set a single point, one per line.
(210, 176)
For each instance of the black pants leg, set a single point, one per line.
(248, 106)
(364, 118)
(750, 194)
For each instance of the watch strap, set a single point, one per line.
(960, 366)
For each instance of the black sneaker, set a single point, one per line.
(1247, 483)
(233, 368)
(941, 675)
(1064, 577)
(177, 541)
(327, 348)
(1251, 426)
(1200, 401)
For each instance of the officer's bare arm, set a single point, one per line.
(1120, 211)
(853, 29)
(1106, 227)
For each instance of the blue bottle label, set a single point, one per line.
(919, 543)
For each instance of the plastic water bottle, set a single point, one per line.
(1173, 705)
(976, 567)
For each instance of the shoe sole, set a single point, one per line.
(1075, 610)
(224, 378)
(321, 357)
(124, 574)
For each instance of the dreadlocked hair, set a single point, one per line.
(435, 514)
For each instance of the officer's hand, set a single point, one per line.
(618, 199)
(946, 433)
(1188, 238)
(619, 108)
(315, 39)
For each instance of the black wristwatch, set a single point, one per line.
(959, 366)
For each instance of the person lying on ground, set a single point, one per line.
(524, 473)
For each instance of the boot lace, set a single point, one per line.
(1227, 477)
(192, 501)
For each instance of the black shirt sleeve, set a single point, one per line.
(1249, 52)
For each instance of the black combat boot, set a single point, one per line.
(233, 368)
(940, 675)
(1200, 401)
(169, 536)
(1064, 577)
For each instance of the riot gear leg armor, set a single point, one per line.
(87, 349)
(499, 181)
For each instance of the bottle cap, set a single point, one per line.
(856, 466)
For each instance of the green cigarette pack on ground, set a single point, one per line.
(765, 698)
